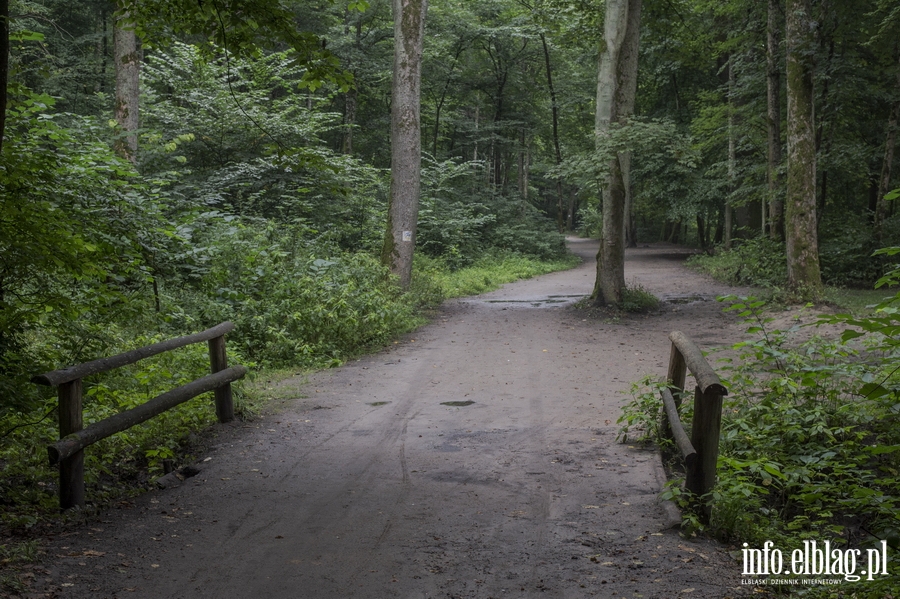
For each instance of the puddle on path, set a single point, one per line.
(536, 302)
(686, 298)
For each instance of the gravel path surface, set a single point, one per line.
(475, 458)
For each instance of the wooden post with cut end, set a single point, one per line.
(71, 470)
(700, 468)
(675, 380)
(707, 424)
(218, 361)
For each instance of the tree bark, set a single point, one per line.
(4, 65)
(630, 228)
(884, 182)
(406, 142)
(732, 157)
(804, 276)
(554, 108)
(773, 105)
(616, 89)
(127, 64)
(349, 120)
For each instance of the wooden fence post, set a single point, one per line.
(71, 470)
(218, 361)
(705, 431)
(675, 380)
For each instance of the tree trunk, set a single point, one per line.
(803, 272)
(4, 65)
(554, 109)
(732, 156)
(406, 143)
(773, 102)
(630, 228)
(570, 222)
(884, 183)
(616, 89)
(128, 60)
(349, 120)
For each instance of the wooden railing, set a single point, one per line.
(68, 452)
(701, 451)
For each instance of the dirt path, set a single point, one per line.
(372, 487)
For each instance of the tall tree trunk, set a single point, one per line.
(773, 105)
(732, 156)
(4, 65)
(630, 228)
(616, 89)
(128, 86)
(554, 109)
(803, 272)
(573, 206)
(406, 142)
(349, 120)
(884, 182)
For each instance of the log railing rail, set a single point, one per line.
(68, 452)
(701, 451)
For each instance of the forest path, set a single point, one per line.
(372, 486)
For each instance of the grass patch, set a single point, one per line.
(635, 300)
(638, 300)
(856, 301)
(433, 279)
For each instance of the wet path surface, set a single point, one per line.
(476, 458)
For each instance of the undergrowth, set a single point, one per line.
(336, 309)
(810, 443)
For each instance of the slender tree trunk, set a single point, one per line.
(440, 103)
(773, 105)
(804, 276)
(128, 86)
(554, 109)
(616, 89)
(406, 142)
(630, 228)
(349, 120)
(732, 156)
(884, 183)
(570, 223)
(4, 65)
(475, 149)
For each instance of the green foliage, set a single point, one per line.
(759, 262)
(253, 150)
(658, 149)
(239, 209)
(640, 417)
(295, 305)
(485, 274)
(809, 442)
(847, 247)
(638, 300)
(73, 222)
(29, 485)
(241, 27)
(459, 220)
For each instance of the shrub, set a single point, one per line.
(759, 262)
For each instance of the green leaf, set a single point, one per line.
(873, 391)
